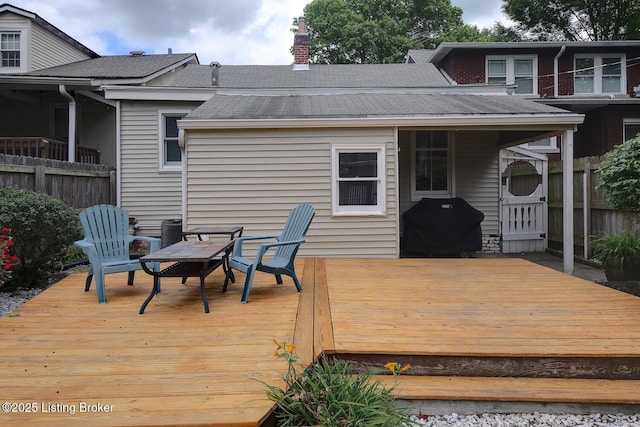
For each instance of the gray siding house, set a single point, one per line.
(241, 145)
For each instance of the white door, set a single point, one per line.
(523, 201)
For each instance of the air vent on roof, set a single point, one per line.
(215, 73)
(136, 53)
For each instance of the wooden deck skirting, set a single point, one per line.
(176, 365)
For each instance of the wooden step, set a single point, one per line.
(413, 387)
(612, 367)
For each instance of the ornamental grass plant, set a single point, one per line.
(329, 393)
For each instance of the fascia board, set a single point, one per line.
(467, 121)
(151, 93)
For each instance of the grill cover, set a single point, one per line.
(442, 227)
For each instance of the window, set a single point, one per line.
(600, 74)
(518, 70)
(431, 164)
(10, 49)
(546, 145)
(170, 155)
(631, 128)
(358, 184)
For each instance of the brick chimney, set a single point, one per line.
(301, 46)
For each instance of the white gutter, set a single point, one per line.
(556, 70)
(72, 123)
(118, 156)
(479, 121)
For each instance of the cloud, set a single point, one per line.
(226, 31)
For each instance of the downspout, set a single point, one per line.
(556, 71)
(72, 123)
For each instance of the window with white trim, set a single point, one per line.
(518, 69)
(431, 164)
(600, 74)
(631, 128)
(169, 152)
(10, 49)
(358, 180)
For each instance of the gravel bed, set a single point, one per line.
(9, 301)
(530, 420)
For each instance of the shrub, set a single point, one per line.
(43, 229)
(620, 176)
(329, 393)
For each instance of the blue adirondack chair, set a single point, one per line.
(286, 246)
(106, 244)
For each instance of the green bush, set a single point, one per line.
(620, 176)
(43, 228)
(330, 393)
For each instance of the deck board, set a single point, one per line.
(176, 365)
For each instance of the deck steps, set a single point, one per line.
(412, 387)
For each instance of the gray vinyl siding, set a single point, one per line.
(149, 195)
(477, 178)
(49, 51)
(254, 178)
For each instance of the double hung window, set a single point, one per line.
(358, 180)
(599, 74)
(431, 165)
(10, 49)
(170, 155)
(519, 70)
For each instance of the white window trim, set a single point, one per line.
(416, 195)
(23, 51)
(597, 72)
(376, 210)
(162, 166)
(510, 71)
(625, 122)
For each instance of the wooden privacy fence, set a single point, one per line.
(79, 185)
(593, 217)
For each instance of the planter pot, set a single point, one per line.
(629, 271)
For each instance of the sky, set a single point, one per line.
(233, 32)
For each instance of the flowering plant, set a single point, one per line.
(7, 258)
(330, 392)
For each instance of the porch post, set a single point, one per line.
(567, 200)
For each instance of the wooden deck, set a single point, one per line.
(176, 365)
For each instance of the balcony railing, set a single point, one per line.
(46, 148)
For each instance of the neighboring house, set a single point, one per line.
(598, 79)
(52, 89)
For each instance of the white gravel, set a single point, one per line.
(9, 301)
(530, 420)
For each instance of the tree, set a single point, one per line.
(576, 20)
(357, 31)
(382, 31)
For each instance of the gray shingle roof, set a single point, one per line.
(114, 67)
(419, 56)
(364, 105)
(318, 76)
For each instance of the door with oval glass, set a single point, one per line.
(523, 200)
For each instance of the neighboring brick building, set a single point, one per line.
(598, 79)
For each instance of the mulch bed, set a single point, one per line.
(632, 288)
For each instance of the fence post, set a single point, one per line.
(587, 210)
(40, 181)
